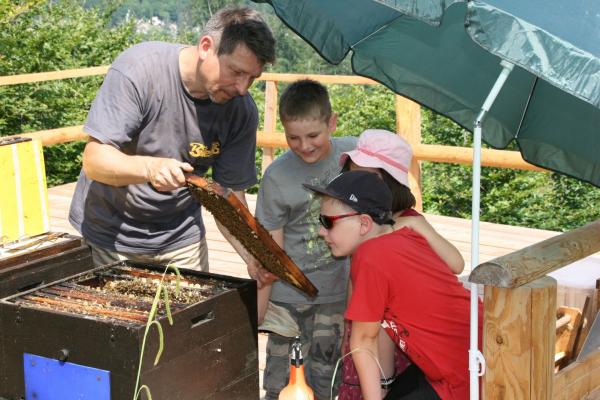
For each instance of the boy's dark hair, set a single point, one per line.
(402, 197)
(304, 99)
(234, 25)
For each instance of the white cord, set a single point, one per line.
(337, 364)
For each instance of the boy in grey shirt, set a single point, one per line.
(290, 213)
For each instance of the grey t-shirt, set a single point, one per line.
(284, 203)
(142, 108)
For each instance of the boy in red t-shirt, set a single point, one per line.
(399, 284)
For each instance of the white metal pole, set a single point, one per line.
(476, 360)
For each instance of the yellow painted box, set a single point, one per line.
(24, 197)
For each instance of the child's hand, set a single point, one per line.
(259, 274)
(266, 277)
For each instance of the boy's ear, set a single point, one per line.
(366, 224)
(332, 123)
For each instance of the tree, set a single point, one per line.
(55, 35)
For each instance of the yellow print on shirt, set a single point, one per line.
(200, 150)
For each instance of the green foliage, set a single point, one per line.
(42, 35)
(50, 36)
(524, 198)
(9, 10)
(360, 107)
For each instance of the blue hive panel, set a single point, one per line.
(50, 379)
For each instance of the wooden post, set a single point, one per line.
(519, 332)
(270, 120)
(408, 125)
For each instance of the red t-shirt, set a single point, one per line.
(398, 279)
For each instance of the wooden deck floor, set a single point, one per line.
(495, 239)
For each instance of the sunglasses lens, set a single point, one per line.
(326, 221)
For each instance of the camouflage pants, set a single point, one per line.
(322, 326)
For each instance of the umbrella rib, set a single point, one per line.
(373, 33)
(526, 106)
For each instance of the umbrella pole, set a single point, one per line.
(476, 360)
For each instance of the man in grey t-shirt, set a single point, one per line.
(165, 110)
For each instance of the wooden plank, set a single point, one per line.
(578, 379)
(49, 137)
(579, 387)
(408, 125)
(101, 70)
(325, 79)
(506, 344)
(518, 347)
(567, 333)
(270, 121)
(464, 155)
(595, 395)
(594, 383)
(543, 333)
(53, 75)
(586, 324)
(537, 260)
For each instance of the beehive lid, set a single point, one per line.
(231, 213)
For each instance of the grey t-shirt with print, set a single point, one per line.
(143, 108)
(284, 203)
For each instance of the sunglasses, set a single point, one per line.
(328, 220)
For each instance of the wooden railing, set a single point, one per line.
(408, 124)
(520, 321)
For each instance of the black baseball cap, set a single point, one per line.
(364, 191)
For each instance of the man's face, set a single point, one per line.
(228, 75)
(345, 235)
(309, 138)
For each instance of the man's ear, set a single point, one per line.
(205, 46)
(366, 224)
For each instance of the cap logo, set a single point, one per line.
(353, 198)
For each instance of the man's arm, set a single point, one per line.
(106, 164)
(364, 339)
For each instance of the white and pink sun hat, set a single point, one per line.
(378, 148)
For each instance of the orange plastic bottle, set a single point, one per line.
(297, 389)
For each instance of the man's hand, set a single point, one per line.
(260, 274)
(109, 165)
(166, 174)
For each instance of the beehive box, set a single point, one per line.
(24, 200)
(210, 351)
(43, 262)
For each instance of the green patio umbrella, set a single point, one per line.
(447, 59)
(504, 69)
